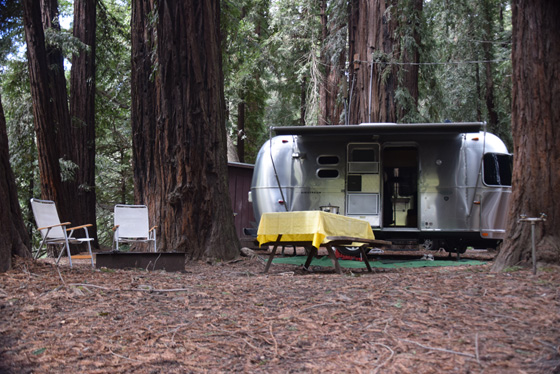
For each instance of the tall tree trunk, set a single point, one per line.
(333, 74)
(302, 101)
(373, 26)
(50, 107)
(373, 89)
(323, 90)
(14, 239)
(488, 33)
(82, 109)
(43, 111)
(143, 99)
(536, 136)
(187, 195)
(410, 54)
(241, 129)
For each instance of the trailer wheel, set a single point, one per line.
(430, 244)
(349, 251)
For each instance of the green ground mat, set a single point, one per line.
(387, 264)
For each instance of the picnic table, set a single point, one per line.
(313, 229)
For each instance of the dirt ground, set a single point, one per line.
(230, 317)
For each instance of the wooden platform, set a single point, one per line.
(141, 260)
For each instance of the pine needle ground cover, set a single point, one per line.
(230, 317)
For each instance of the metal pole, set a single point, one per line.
(533, 221)
(533, 254)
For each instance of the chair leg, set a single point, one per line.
(89, 248)
(67, 252)
(39, 250)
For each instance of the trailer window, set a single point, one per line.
(369, 154)
(327, 173)
(328, 160)
(497, 169)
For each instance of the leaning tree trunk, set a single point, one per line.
(536, 136)
(187, 191)
(14, 239)
(82, 109)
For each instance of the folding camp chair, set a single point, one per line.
(54, 232)
(131, 225)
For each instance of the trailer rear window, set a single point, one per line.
(497, 169)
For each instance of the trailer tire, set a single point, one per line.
(431, 244)
(349, 251)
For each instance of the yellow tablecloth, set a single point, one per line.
(310, 226)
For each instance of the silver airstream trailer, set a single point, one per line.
(440, 185)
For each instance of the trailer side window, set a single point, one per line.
(328, 160)
(327, 173)
(497, 169)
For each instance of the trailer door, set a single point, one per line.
(496, 176)
(400, 186)
(363, 182)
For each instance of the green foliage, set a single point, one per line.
(11, 28)
(455, 38)
(114, 184)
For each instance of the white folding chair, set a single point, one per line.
(54, 232)
(132, 225)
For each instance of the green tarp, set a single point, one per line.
(388, 264)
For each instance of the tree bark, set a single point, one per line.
(187, 189)
(536, 136)
(241, 129)
(50, 107)
(372, 92)
(333, 74)
(373, 30)
(143, 113)
(82, 109)
(488, 33)
(14, 239)
(43, 112)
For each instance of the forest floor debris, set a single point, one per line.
(230, 317)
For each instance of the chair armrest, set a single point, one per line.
(153, 228)
(51, 226)
(115, 227)
(80, 227)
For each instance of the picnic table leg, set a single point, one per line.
(312, 252)
(271, 257)
(364, 256)
(333, 258)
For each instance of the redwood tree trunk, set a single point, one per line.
(43, 111)
(330, 108)
(489, 56)
(187, 190)
(241, 129)
(50, 107)
(13, 235)
(373, 96)
(82, 109)
(373, 26)
(536, 135)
